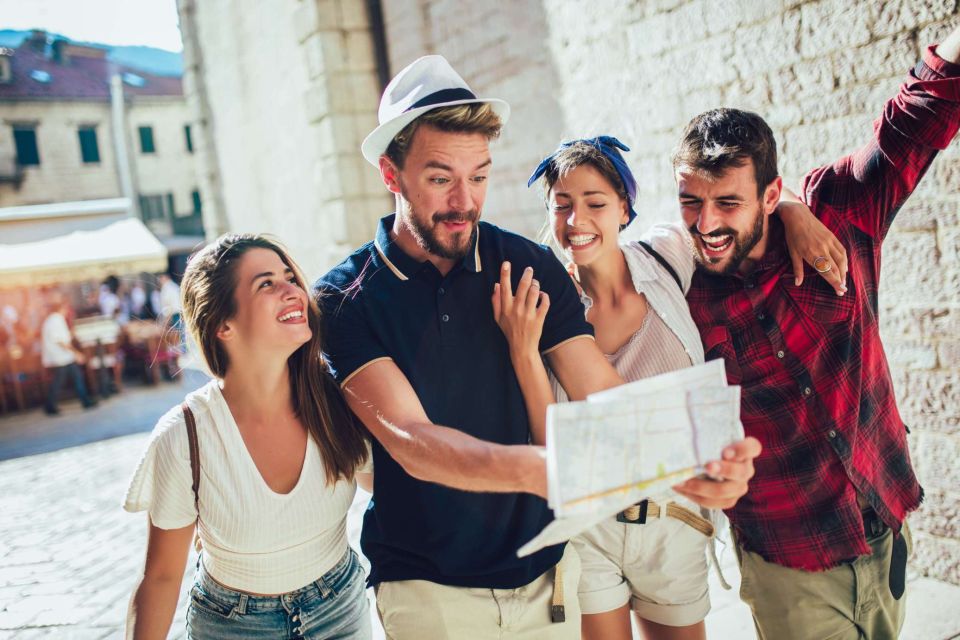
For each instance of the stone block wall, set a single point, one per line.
(283, 95)
(62, 175)
(171, 168)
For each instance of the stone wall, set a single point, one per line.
(285, 93)
(61, 175)
(171, 168)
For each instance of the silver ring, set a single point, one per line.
(822, 265)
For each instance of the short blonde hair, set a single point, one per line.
(476, 117)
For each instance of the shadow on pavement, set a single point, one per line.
(134, 410)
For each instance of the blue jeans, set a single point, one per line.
(334, 606)
(57, 376)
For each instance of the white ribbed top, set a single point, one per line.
(253, 539)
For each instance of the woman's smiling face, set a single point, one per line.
(271, 306)
(587, 214)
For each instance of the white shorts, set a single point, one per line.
(659, 567)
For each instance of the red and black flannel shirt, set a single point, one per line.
(816, 386)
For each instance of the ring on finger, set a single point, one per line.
(822, 264)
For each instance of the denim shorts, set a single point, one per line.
(333, 606)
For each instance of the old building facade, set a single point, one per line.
(75, 127)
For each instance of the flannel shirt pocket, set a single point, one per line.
(718, 344)
(818, 301)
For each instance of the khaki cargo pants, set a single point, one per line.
(849, 602)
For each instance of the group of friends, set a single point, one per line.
(422, 365)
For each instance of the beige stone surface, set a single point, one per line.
(62, 176)
(292, 91)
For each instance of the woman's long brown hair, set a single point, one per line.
(207, 291)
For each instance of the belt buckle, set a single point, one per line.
(643, 514)
(873, 525)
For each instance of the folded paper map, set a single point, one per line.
(633, 442)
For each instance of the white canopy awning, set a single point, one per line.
(122, 247)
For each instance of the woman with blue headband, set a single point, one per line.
(653, 563)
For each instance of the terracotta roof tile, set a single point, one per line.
(82, 78)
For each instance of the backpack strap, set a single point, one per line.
(194, 452)
(663, 262)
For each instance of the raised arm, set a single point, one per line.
(871, 184)
(521, 318)
(384, 400)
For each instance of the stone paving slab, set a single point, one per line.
(70, 556)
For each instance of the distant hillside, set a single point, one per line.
(149, 59)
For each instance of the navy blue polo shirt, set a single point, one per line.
(439, 330)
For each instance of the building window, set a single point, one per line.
(157, 207)
(197, 202)
(25, 140)
(152, 208)
(188, 138)
(89, 151)
(146, 140)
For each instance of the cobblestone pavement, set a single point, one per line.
(69, 555)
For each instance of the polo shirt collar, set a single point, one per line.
(404, 266)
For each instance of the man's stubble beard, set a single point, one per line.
(426, 236)
(741, 248)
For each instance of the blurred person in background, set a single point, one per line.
(59, 356)
(109, 301)
(138, 300)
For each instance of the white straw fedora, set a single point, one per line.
(426, 83)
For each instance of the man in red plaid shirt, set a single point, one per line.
(821, 533)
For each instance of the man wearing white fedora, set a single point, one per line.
(412, 340)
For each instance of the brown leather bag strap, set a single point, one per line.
(194, 453)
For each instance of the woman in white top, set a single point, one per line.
(654, 564)
(278, 452)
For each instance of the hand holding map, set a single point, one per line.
(633, 442)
